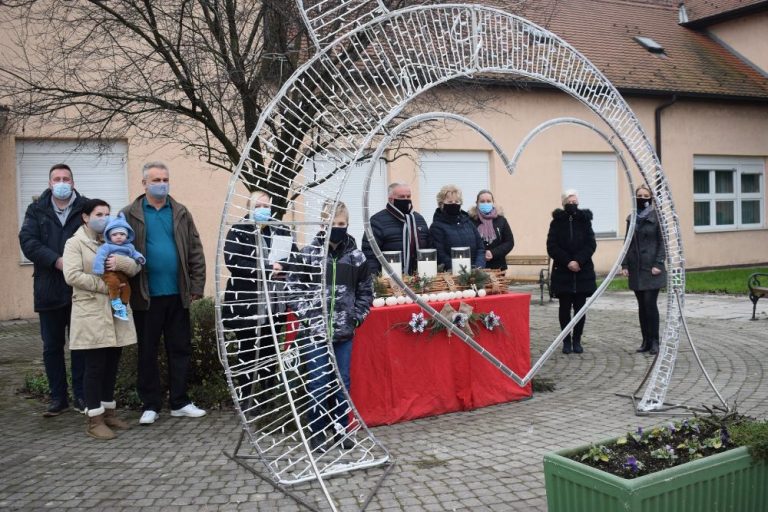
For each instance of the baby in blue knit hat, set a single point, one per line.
(118, 236)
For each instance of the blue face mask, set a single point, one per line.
(62, 190)
(158, 190)
(261, 214)
(98, 224)
(485, 208)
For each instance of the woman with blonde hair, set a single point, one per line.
(571, 244)
(452, 227)
(494, 230)
(245, 311)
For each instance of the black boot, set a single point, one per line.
(654, 347)
(567, 345)
(645, 347)
(577, 348)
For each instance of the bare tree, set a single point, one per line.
(195, 72)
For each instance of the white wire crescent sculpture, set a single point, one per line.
(370, 65)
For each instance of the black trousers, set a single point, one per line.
(568, 302)
(54, 325)
(648, 311)
(100, 374)
(169, 320)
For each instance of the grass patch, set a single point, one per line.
(727, 280)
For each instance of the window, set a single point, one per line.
(468, 170)
(727, 193)
(352, 195)
(99, 170)
(593, 176)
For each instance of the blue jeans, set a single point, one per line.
(327, 406)
(54, 325)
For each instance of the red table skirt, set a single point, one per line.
(398, 375)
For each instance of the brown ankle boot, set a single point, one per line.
(112, 420)
(97, 429)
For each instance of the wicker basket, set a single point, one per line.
(442, 282)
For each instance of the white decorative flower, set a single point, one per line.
(491, 321)
(418, 322)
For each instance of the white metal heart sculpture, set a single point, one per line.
(370, 64)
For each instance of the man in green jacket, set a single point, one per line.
(172, 278)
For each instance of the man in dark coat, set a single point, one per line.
(398, 228)
(571, 244)
(48, 223)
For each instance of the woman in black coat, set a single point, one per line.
(494, 230)
(644, 266)
(245, 311)
(570, 244)
(452, 227)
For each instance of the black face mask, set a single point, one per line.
(451, 209)
(642, 203)
(570, 209)
(402, 205)
(338, 235)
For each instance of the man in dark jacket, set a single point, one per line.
(48, 224)
(161, 293)
(398, 228)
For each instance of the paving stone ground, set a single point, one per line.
(487, 459)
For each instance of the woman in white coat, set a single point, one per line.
(93, 328)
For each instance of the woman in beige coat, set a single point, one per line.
(93, 328)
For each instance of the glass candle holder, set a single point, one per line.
(394, 259)
(427, 262)
(460, 258)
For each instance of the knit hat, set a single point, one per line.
(118, 224)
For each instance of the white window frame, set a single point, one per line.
(739, 166)
(351, 195)
(468, 170)
(594, 176)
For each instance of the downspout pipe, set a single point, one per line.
(657, 122)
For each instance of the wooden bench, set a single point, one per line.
(757, 289)
(541, 277)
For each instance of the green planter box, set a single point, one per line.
(726, 482)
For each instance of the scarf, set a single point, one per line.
(410, 239)
(645, 213)
(487, 232)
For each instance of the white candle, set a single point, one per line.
(428, 268)
(457, 263)
(397, 268)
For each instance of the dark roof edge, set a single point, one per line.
(692, 95)
(726, 15)
(738, 54)
(633, 91)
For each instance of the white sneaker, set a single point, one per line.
(148, 418)
(190, 411)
